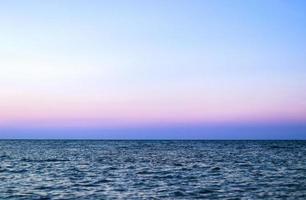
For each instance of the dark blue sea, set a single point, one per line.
(66, 169)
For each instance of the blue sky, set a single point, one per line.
(126, 65)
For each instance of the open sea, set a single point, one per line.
(80, 169)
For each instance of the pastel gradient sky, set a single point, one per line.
(126, 65)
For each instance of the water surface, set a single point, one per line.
(62, 169)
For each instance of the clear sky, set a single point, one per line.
(97, 65)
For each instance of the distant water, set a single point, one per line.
(152, 169)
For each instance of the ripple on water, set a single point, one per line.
(152, 169)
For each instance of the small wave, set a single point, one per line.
(278, 147)
(216, 169)
(45, 160)
(18, 171)
(179, 194)
(205, 191)
(102, 181)
(5, 157)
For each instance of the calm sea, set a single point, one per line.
(152, 169)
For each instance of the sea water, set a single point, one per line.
(66, 169)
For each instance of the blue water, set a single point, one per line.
(152, 169)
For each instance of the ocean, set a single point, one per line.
(93, 169)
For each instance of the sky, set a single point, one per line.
(153, 69)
